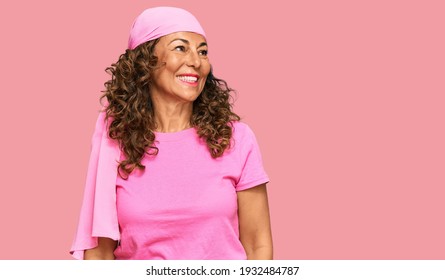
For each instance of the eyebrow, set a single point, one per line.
(187, 42)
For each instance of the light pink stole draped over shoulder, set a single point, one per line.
(98, 215)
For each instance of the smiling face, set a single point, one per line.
(183, 67)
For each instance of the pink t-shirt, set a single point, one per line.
(184, 205)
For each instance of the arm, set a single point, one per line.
(254, 223)
(104, 251)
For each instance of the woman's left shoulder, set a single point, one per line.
(239, 126)
(241, 130)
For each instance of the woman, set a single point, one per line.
(173, 173)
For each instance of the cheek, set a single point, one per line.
(206, 68)
(173, 63)
(168, 62)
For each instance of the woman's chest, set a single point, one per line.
(179, 185)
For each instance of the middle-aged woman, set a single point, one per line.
(173, 173)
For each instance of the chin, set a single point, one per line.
(190, 97)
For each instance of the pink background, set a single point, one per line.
(346, 99)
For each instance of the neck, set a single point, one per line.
(172, 117)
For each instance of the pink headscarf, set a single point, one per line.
(98, 215)
(160, 21)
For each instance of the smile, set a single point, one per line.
(189, 79)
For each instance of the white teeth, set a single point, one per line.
(189, 79)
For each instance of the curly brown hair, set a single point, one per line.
(131, 112)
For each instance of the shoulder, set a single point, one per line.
(240, 129)
(242, 133)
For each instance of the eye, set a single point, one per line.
(203, 52)
(180, 48)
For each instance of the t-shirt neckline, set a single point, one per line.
(175, 136)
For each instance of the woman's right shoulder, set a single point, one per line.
(101, 120)
(102, 124)
(100, 135)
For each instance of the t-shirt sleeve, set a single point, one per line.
(252, 172)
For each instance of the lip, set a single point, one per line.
(188, 75)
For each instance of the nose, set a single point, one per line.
(193, 59)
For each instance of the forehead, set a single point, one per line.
(191, 37)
